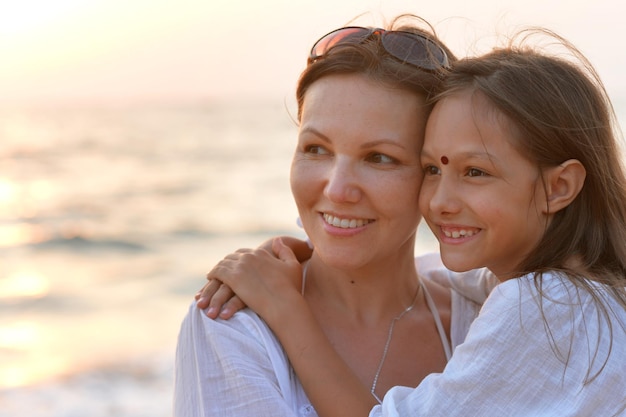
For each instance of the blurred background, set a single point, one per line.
(143, 140)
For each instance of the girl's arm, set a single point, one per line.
(271, 287)
(329, 383)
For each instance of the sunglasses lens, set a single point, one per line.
(405, 46)
(343, 35)
(415, 50)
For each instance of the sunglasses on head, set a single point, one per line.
(407, 47)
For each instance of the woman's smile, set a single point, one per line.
(356, 174)
(345, 223)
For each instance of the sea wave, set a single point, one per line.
(135, 389)
(79, 243)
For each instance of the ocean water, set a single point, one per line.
(109, 219)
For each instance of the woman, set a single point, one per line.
(355, 177)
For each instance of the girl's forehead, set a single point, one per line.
(466, 122)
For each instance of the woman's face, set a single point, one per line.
(356, 173)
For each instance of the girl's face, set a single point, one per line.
(355, 175)
(480, 196)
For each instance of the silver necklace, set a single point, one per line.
(389, 333)
(388, 342)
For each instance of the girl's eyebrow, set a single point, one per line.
(467, 155)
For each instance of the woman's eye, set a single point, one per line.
(475, 172)
(380, 158)
(316, 150)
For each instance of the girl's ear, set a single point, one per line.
(563, 183)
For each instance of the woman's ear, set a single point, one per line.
(563, 184)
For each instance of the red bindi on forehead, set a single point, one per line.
(444, 160)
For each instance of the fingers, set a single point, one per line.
(198, 295)
(240, 270)
(300, 248)
(207, 292)
(214, 286)
(219, 300)
(231, 306)
(283, 251)
(267, 245)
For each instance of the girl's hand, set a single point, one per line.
(265, 281)
(220, 301)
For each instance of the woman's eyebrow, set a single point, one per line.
(378, 142)
(312, 130)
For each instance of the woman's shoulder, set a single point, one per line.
(209, 350)
(474, 285)
(457, 298)
(244, 327)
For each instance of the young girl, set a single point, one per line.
(523, 176)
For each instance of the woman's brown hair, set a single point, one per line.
(372, 60)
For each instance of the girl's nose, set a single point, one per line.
(441, 195)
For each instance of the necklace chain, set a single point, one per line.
(389, 333)
(388, 342)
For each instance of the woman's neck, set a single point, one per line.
(368, 293)
(377, 320)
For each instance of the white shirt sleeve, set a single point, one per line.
(513, 363)
(233, 368)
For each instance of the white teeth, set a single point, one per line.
(344, 223)
(459, 233)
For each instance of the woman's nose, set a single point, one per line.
(343, 184)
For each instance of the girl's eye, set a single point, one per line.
(316, 150)
(380, 158)
(431, 170)
(475, 172)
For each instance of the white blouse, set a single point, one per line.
(527, 355)
(237, 367)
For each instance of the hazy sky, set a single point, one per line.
(143, 49)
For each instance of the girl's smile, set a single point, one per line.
(458, 232)
(482, 198)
